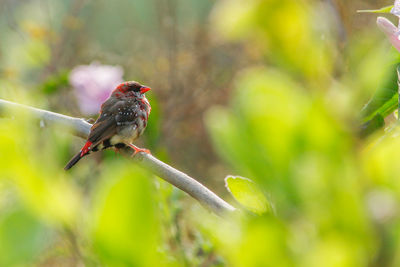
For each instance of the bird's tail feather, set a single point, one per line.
(73, 161)
(84, 151)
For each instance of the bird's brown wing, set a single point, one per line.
(105, 125)
(114, 115)
(101, 131)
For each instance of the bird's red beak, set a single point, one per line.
(144, 89)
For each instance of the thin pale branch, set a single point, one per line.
(177, 178)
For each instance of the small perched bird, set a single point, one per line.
(123, 118)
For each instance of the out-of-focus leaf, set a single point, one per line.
(385, 9)
(260, 241)
(39, 183)
(252, 136)
(384, 100)
(53, 83)
(248, 194)
(125, 228)
(372, 125)
(289, 27)
(22, 238)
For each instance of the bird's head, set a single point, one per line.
(131, 88)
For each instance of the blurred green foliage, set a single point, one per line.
(287, 134)
(125, 229)
(21, 237)
(290, 123)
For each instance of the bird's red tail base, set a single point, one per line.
(85, 149)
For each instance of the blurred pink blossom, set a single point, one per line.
(93, 84)
(391, 31)
(396, 8)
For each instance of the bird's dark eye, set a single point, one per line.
(134, 88)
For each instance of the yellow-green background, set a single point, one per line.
(271, 90)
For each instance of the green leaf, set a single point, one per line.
(367, 128)
(55, 82)
(248, 194)
(125, 225)
(22, 237)
(384, 101)
(385, 9)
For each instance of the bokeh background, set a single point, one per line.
(272, 90)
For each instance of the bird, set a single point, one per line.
(123, 118)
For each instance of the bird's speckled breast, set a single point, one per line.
(130, 130)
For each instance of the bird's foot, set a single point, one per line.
(138, 149)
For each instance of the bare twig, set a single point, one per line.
(177, 178)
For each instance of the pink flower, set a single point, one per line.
(396, 8)
(391, 31)
(93, 84)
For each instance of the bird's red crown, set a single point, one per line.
(132, 86)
